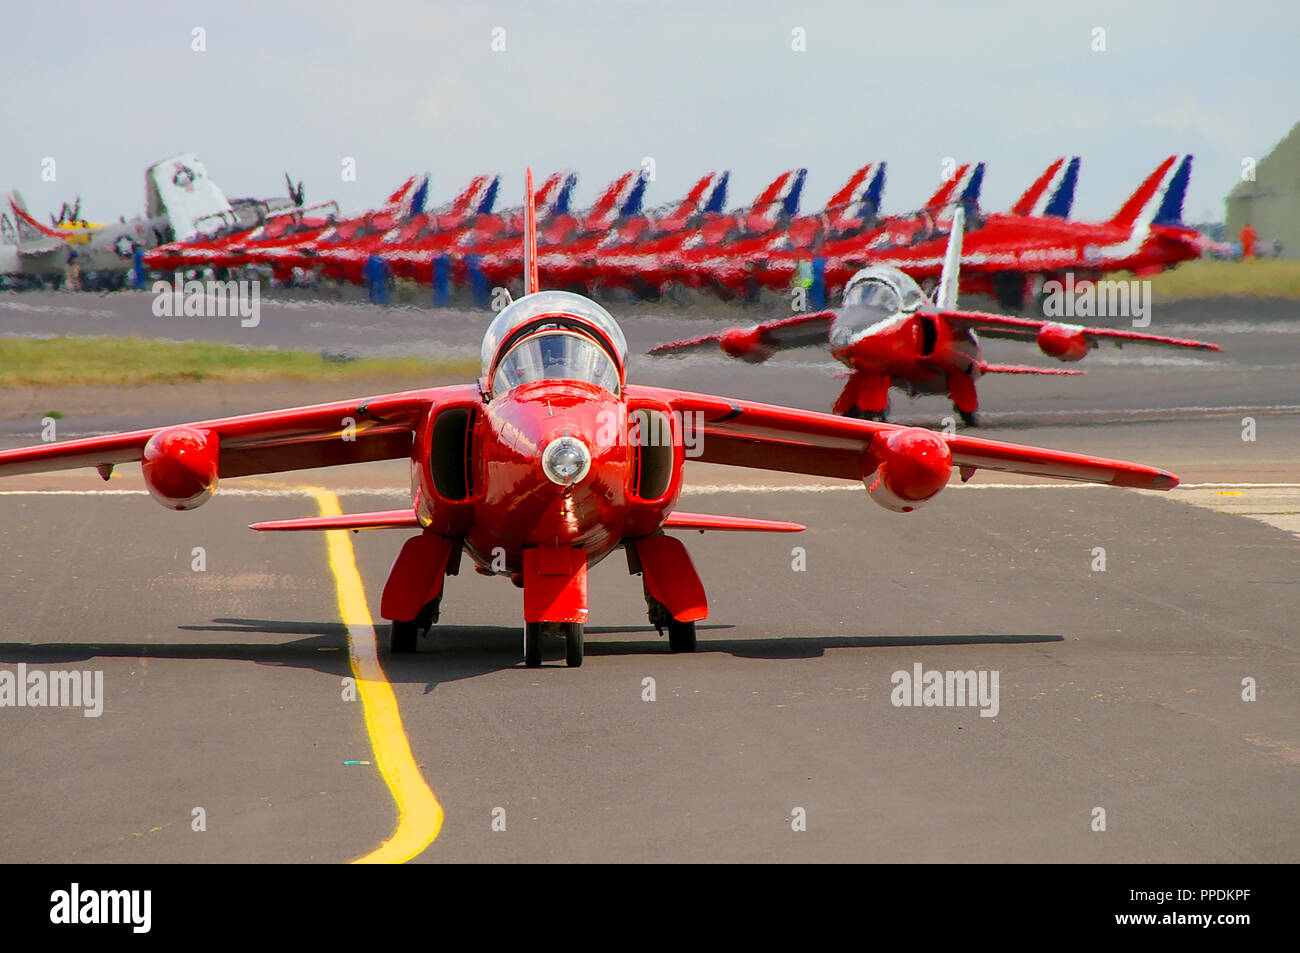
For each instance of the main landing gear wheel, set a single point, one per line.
(401, 637)
(533, 644)
(971, 419)
(880, 416)
(681, 636)
(573, 639)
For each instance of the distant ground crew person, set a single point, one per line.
(800, 284)
(72, 274)
(1248, 237)
(137, 268)
(377, 275)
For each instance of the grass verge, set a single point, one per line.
(1208, 278)
(132, 362)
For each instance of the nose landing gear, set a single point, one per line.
(573, 635)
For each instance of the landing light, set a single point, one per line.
(566, 461)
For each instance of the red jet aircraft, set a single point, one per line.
(887, 332)
(1011, 256)
(549, 463)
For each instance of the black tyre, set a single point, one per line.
(681, 636)
(401, 637)
(970, 420)
(533, 644)
(573, 639)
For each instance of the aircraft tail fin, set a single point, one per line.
(1033, 196)
(530, 236)
(946, 297)
(970, 193)
(1146, 197)
(559, 199)
(848, 192)
(962, 187)
(636, 198)
(717, 200)
(1062, 200)
(179, 188)
(400, 192)
(871, 198)
(28, 228)
(419, 198)
(780, 198)
(697, 200)
(1170, 211)
(411, 197)
(860, 196)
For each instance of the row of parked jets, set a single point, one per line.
(618, 243)
(896, 328)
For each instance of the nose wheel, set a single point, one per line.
(572, 633)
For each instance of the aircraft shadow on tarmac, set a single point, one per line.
(455, 652)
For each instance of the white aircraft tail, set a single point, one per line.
(179, 189)
(946, 296)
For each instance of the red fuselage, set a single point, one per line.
(505, 502)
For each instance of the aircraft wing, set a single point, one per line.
(1026, 329)
(37, 247)
(295, 439)
(766, 437)
(761, 341)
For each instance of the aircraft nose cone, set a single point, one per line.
(566, 460)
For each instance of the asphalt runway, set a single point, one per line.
(1119, 690)
(225, 689)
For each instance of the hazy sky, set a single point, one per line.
(108, 88)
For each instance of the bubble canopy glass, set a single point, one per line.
(874, 287)
(553, 354)
(552, 309)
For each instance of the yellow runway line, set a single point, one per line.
(419, 813)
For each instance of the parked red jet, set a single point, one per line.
(345, 258)
(722, 265)
(726, 259)
(233, 249)
(888, 333)
(1010, 256)
(287, 224)
(549, 463)
(413, 256)
(314, 255)
(573, 263)
(646, 266)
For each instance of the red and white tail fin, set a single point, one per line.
(470, 196)
(780, 198)
(950, 189)
(1026, 203)
(531, 283)
(1144, 197)
(859, 199)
